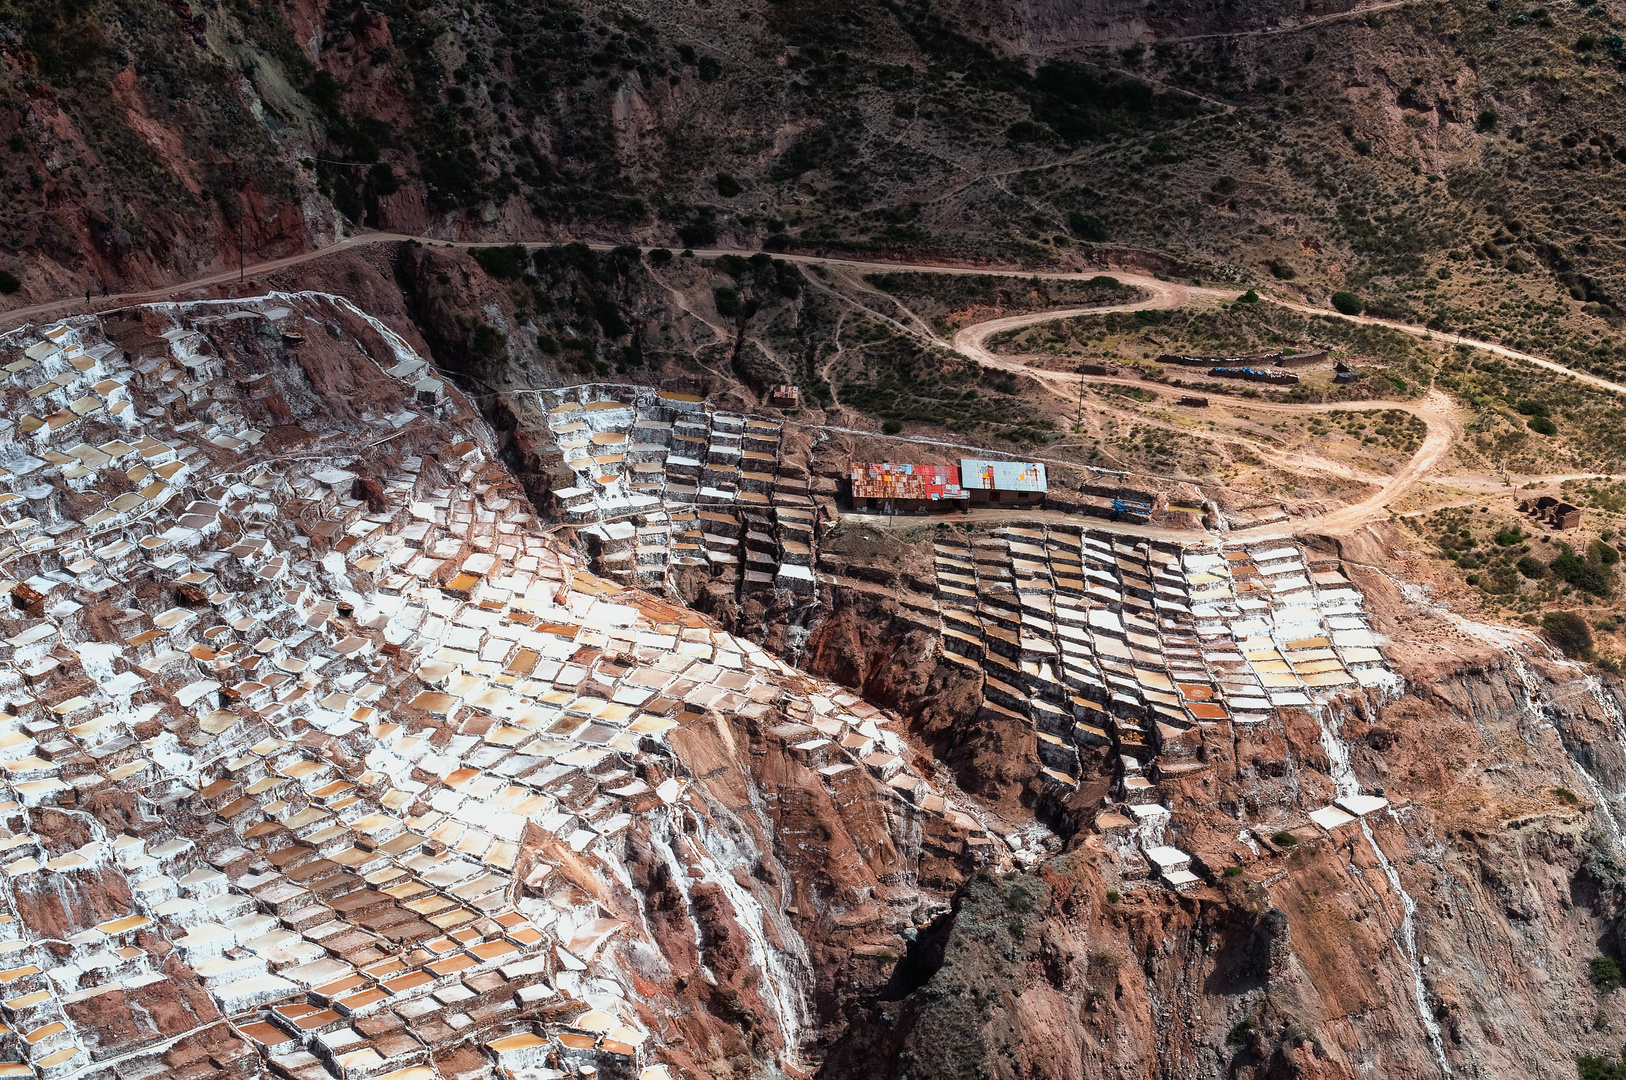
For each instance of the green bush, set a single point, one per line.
(1225, 185)
(1282, 270)
(1533, 408)
(609, 317)
(1588, 577)
(727, 186)
(728, 302)
(1284, 839)
(1487, 121)
(1026, 131)
(1348, 303)
(698, 233)
(1542, 425)
(1087, 226)
(1233, 871)
(1249, 297)
(1592, 1068)
(1240, 1032)
(1573, 636)
(1532, 567)
(501, 262)
(660, 256)
(488, 340)
(892, 427)
(382, 179)
(547, 343)
(1604, 973)
(9, 282)
(1603, 553)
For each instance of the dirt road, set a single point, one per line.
(1436, 411)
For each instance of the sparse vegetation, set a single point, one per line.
(949, 300)
(1573, 637)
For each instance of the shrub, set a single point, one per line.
(1249, 297)
(1348, 303)
(1233, 871)
(1284, 839)
(708, 68)
(9, 282)
(1603, 553)
(501, 262)
(488, 340)
(892, 427)
(1239, 1034)
(1508, 537)
(1542, 425)
(1027, 131)
(1087, 226)
(1112, 896)
(660, 256)
(1225, 185)
(727, 186)
(609, 316)
(1589, 578)
(728, 302)
(547, 343)
(1532, 567)
(382, 179)
(1487, 121)
(1573, 636)
(1591, 1068)
(1604, 973)
(1566, 796)
(698, 233)
(1282, 270)
(1533, 408)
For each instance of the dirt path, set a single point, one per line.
(1436, 411)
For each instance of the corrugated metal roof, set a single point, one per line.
(890, 481)
(979, 475)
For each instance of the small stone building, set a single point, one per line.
(1555, 512)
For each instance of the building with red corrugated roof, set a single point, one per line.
(891, 488)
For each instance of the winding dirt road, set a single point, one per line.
(1436, 411)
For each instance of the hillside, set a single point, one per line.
(819, 539)
(1442, 161)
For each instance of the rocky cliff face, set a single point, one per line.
(789, 896)
(1446, 935)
